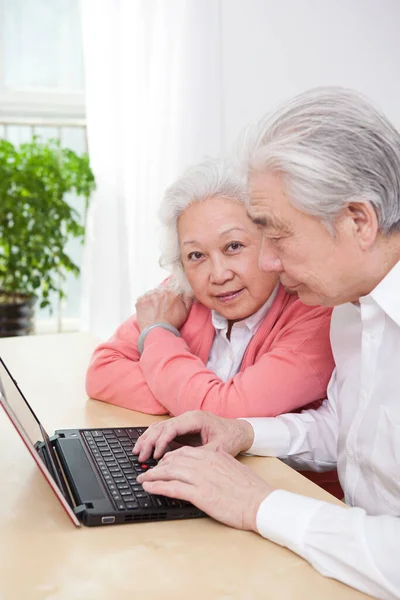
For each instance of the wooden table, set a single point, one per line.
(43, 556)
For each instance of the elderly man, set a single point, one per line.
(324, 185)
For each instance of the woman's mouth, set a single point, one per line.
(229, 296)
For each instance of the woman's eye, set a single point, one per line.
(234, 246)
(195, 256)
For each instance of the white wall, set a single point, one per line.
(273, 49)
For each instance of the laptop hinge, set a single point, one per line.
(78, 510)
(58, 477)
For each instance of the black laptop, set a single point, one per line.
(91, 471)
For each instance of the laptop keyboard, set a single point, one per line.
(119, 468)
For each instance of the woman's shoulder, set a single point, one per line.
(199, 316)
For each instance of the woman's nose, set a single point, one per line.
(220, 272)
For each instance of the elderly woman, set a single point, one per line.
(221, 335)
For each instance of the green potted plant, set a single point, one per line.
(36, 222)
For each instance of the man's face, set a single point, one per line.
(320, 268)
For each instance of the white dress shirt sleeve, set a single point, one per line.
(306, 440)
(342, 543)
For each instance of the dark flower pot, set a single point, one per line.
(16, 314)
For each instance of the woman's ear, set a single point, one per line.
(363, 222)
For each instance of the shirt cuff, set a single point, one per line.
(284, 518)
(271, 437)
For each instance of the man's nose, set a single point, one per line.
(269, 260)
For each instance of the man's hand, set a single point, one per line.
(215, 482)
(162, 305)
(229, 435)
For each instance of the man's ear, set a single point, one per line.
(363, 222)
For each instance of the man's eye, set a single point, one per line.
(195, 256)
(234, 246)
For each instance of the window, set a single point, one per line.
(41, 93)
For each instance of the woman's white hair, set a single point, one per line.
(208, 179)
(332, 147)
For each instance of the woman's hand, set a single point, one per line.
(162, 305)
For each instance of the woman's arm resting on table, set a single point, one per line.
(288, 377)
(115, 374)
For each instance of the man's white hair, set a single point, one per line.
(209, 179)
(332, 146)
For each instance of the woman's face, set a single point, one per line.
(219, 248)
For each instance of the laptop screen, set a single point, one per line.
(31, 431)
(20, 407)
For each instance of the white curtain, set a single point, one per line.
(154, 106)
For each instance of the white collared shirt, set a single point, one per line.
(226, 355)
(357, 427)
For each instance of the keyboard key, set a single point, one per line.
(97, 434)
(119, 454)
(131, 477)
(130, 498)
(120, 505)
(144, 503)
(133, 434)
(127, 447)
(115, 470)
(159, 501)
(173, 502)
(120, 480)
(137, 487)
(120, 432)
(126, 492)
(127, 470)
(123, 486)
(141, 495)
(132, 505)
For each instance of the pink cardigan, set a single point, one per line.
(287, 365)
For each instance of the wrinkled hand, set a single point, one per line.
(162, 305)
(216, 433)
(215, 482)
